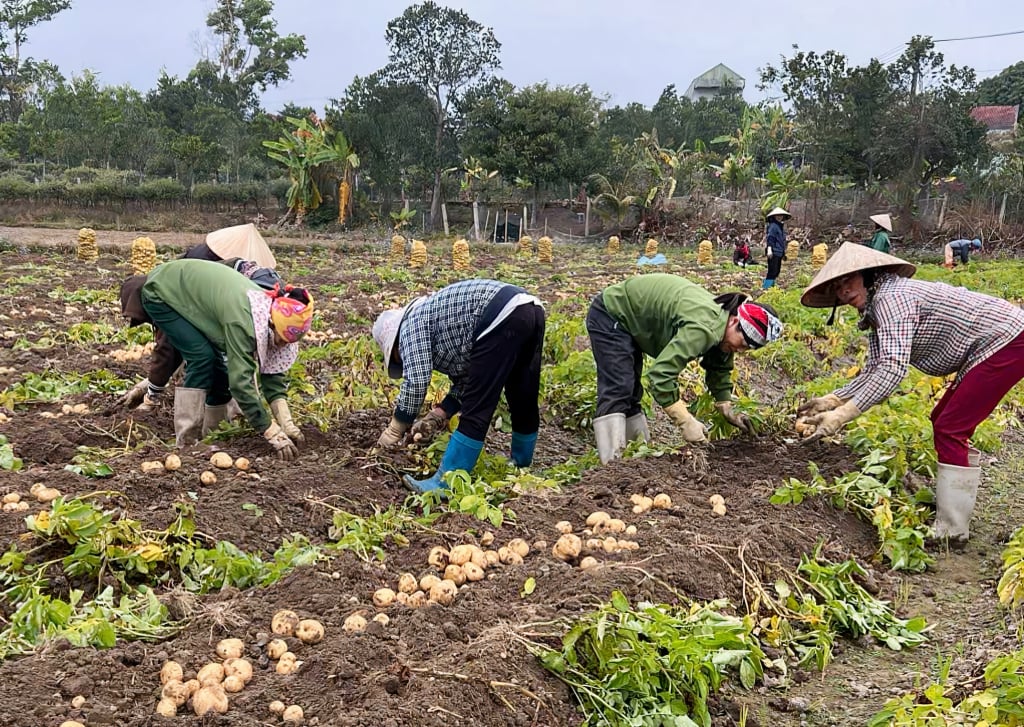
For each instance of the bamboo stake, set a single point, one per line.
(444, 217)
(586, 220)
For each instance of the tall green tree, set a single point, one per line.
(18, 74)
(444, 52)
(1005, 88)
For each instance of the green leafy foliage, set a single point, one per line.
(7, 459)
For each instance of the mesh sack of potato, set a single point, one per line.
(526, 245)
(418, 256)
(704, 256)
(545, 252)
(397, 249)
(792, 250)
(460, 255)
(613, 245)
(652, 248)
(143, 256)
(819, 254)
(87, 249)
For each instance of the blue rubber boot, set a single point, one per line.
(522, 448)
(461, 454)
(767, 284)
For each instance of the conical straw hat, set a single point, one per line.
(242, 241)
(883, 220)
(778, 211)
(851, 258)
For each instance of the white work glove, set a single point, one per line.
(283, 415)
(770, 253)
(828, 423)
(426, 428)
(277, 439)
(692, 430)
(819, 405)
(737, 419)
(392, 436)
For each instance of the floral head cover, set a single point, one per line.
(291, 313)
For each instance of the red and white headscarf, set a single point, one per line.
(759, 324)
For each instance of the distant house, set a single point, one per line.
(999, 120)
(718, 81)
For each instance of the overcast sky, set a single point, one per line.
(626, 50)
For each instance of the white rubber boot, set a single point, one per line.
(956, 489)
(973, 457)
(610, 432)
(636, 428)
(189, 411)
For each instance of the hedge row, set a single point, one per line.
(104, 191)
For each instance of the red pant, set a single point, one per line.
(965, 406)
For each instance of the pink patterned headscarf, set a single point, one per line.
(271, 358)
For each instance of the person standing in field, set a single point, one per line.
(960, 249)
(940, 330)
(880, 240)
(486, 336)
(675, 322)
(775, 244)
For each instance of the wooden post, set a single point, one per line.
(497, 214)
(522, 226)
(1002, 211)
(476, 221)
(506, 225)
(545, 226)
(444, 217)
(487, 223)
(586, 219)
(942, 210)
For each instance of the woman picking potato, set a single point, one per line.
(674, 321)
(485, 336)
(213, 315)
(939, 329)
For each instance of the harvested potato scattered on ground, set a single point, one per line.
(71, 723)
(242, 464)
(240, 668)
(402, 598)
(210, 699)
(172, 462)
(487, 538)
(589, 562)
(417, 600)
(563, 527)
(719, 510)
(171, 672)
(211, 673)
(594, 544)
(193, 686)
(176, 692)
(310, 631)
(221, 460)
(610, 544)
(153, 466)
(276, 648)
(662, 501)
(284, 622)
(629, 545)
(165, 708)
(382, 619)
(611, 525)
(716, 499)
(520, 546)
(78, 701)
(491, 557)
(233, 684)
(383, 597)
(455, 574)
(276, 707)
(567, 547)
(355, 623)
(288, 664)
(438, 557)
(460, 554)
(230, 648)
(508, 556)
(443, 592)
(631, 530)
(473, 572)
(407, 583)
(426, 582)
(596, 518)
(293, 714)
(11, 497)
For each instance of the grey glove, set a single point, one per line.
(134, 396)
(426, 428)
(819, 405)
(277, 439)
(283, 415)
(737, 419)
(391, 436)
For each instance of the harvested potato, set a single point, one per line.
(491, 557)
(208, 478)
(382, 619)
(310, 631)
(567, 547)
(276, 707)
(240, 668)
(662, 501)
(418, 599)
(11, 497)
(284, 622)
(221, 460)
(78, 701)
(212, 673)
(643, 504)
(172, 462)
(520, 546)
(719, 509)
(233, 684)
(716, 499)
(460, 554)
(293, 714)
(443, 592)
(209, 699)
(614, 525)
(629, 545)
(636, 498)
(589, 562)
(242, 464)
(71, 723)
(165, 708)
(383, 597)
(427, 581)
(176, 692)
(594, 544)
(171, 671)
(563, 526)
(455, 573)
(596, 518)
(540, 545)
(354, 624)
(610, 544)
(487, 538)
(438, 557)
(47, 494)
(407, 583)
(508, 556)
(230, 648)
(154, 466)
(287, 666)
(479, 558)
(193, 686)
(473, 572)
(276, 648)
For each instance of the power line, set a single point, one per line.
(978, 37)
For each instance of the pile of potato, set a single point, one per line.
(135, 352)
(545, 250)
(397, 249)
(460, 255)
(793, 250)
(13, 502)
(569, 546)
(642, 503)
(819, 254)
(613, 245)
(87, 249)
(704, 253)
(652, 248)
(418, 256)
(525, 246)
(143, 257)
(208, 690)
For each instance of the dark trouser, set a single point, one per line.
(774, 267)
(620, 363)
(962, 409)
(204, 364)
(506, 358)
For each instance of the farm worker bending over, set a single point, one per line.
(940, 330)
(243, 241)
(960, 249)
(485, 336)
(883, 226)
(236, 338)
(775, 244)
(675, 321)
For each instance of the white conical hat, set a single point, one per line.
(777, 211)
(385, 333)
(851, 258)
(243, 241)
(882, 220)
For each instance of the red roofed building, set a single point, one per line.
(997, 119)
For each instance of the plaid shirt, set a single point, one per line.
(935, 327)
(437, 333)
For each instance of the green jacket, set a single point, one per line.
(880, 241)
(212, 297)
(674, 321)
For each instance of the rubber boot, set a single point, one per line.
(522, 448)
(956, 489)
(767, 284)
(462, 454)
(973, 457)
(189, 410)
(636, 428)
(213, 417)
(610, 432)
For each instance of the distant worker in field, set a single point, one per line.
(675, 322)
(741, 252)
(237, 340)
(486, 336)
(960, 250)
(775, 244)
(880, 240)
(940, 330)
